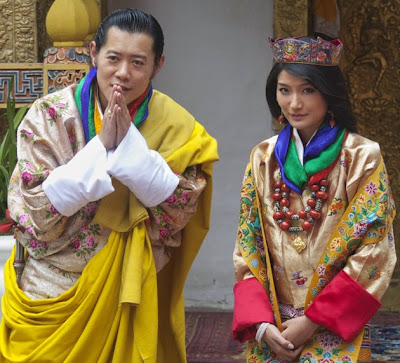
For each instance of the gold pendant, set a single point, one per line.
(298, 244)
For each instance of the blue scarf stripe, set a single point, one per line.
(281, 149)
(321, 140)
(85, 100)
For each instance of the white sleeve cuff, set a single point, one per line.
(143, 171)
(82, 180)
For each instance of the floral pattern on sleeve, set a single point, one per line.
(32, 175)
(83, 243)
(53, 105)
(166, 220)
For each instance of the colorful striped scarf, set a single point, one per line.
(85, 101)
(320, 155)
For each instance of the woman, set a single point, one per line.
(315, 251)
(112, 195)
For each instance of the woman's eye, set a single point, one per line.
(309, 90)
(112, 58)
(283, 90)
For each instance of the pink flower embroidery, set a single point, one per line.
(33, 244)
(52, 113)
(184, 197)
(26, 177)
(77, 244)
(321, 270)
(166, 218)
(89, 241)
(27, 133)
(360, 229)
(91, 209)
(22, 218)
(53, 210)
(371, 188)
(171, 199)
(164, 232)
(30, 230)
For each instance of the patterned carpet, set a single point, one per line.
(209, 338)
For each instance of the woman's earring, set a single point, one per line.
(281, 118)
(332, 121)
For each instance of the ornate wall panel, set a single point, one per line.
(28, 82)
(371, 36)
(18, 34)
(291, 18)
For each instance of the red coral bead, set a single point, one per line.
(289, 214)
(277, 184)
(302, 214)
(285, 202)
(311, 202)
(315, 187)
(285, 188)
(306, 225)
(315, 214)
(278, 215)
(321, 195)
(277, 196)
(284, 226)
(324, 182)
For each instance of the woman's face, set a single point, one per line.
(301, 103)
(126, 59)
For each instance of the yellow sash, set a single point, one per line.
(112, 312)
(364, 209)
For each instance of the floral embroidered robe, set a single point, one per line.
(371, 264)
(58, 247)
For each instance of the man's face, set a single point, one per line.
(127, 60)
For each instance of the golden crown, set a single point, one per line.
(310, 51)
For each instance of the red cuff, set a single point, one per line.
(251, 307)
(343, 307)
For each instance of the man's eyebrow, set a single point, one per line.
(142, 56)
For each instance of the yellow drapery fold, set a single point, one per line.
(61, 329)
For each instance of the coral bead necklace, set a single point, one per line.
(285, 217)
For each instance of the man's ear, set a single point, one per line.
(159, 65)
(93, 53)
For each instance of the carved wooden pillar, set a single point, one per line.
(371, 65)
(18, 32)
(291, 18)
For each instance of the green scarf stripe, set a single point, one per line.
(327, 156)
(140, 112)
(92, 128)
(294, 171)
(77, 95)
(300, 174)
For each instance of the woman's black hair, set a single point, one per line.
(328, 80)
(132, 21)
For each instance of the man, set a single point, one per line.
(113, 191)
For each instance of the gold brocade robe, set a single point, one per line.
(290, 277)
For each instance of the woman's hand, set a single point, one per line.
(298, 330)
(282, 347)
(116, 120)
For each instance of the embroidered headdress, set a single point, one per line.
(309, 51)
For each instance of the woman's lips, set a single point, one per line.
(297, 117)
